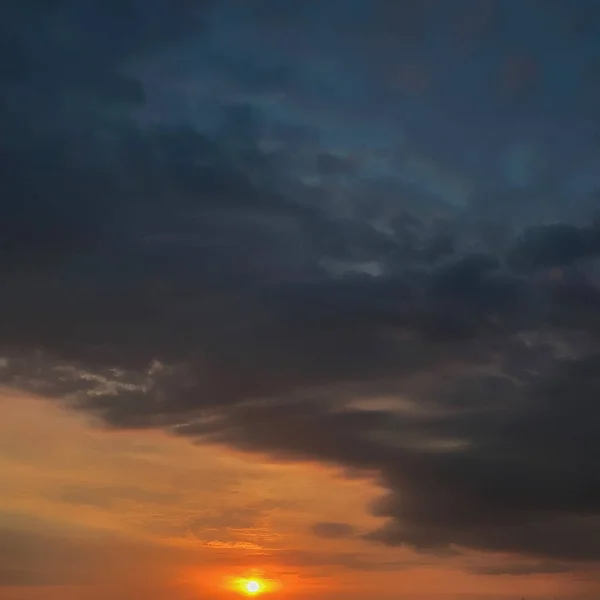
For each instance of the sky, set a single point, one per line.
(305, 293)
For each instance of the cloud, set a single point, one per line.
(233, 280)
(555, 246)
(519, 570)
(322, 563)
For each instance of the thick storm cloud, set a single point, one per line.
(234, 222)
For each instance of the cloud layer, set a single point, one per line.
(302, 253)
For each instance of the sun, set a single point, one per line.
(252, 587)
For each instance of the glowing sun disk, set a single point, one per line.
(252, 587)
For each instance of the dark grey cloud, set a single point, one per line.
(246, 274)
(524, 569)
(556, 245)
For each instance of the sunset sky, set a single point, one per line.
(300, 293)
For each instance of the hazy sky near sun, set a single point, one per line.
(301, 291)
